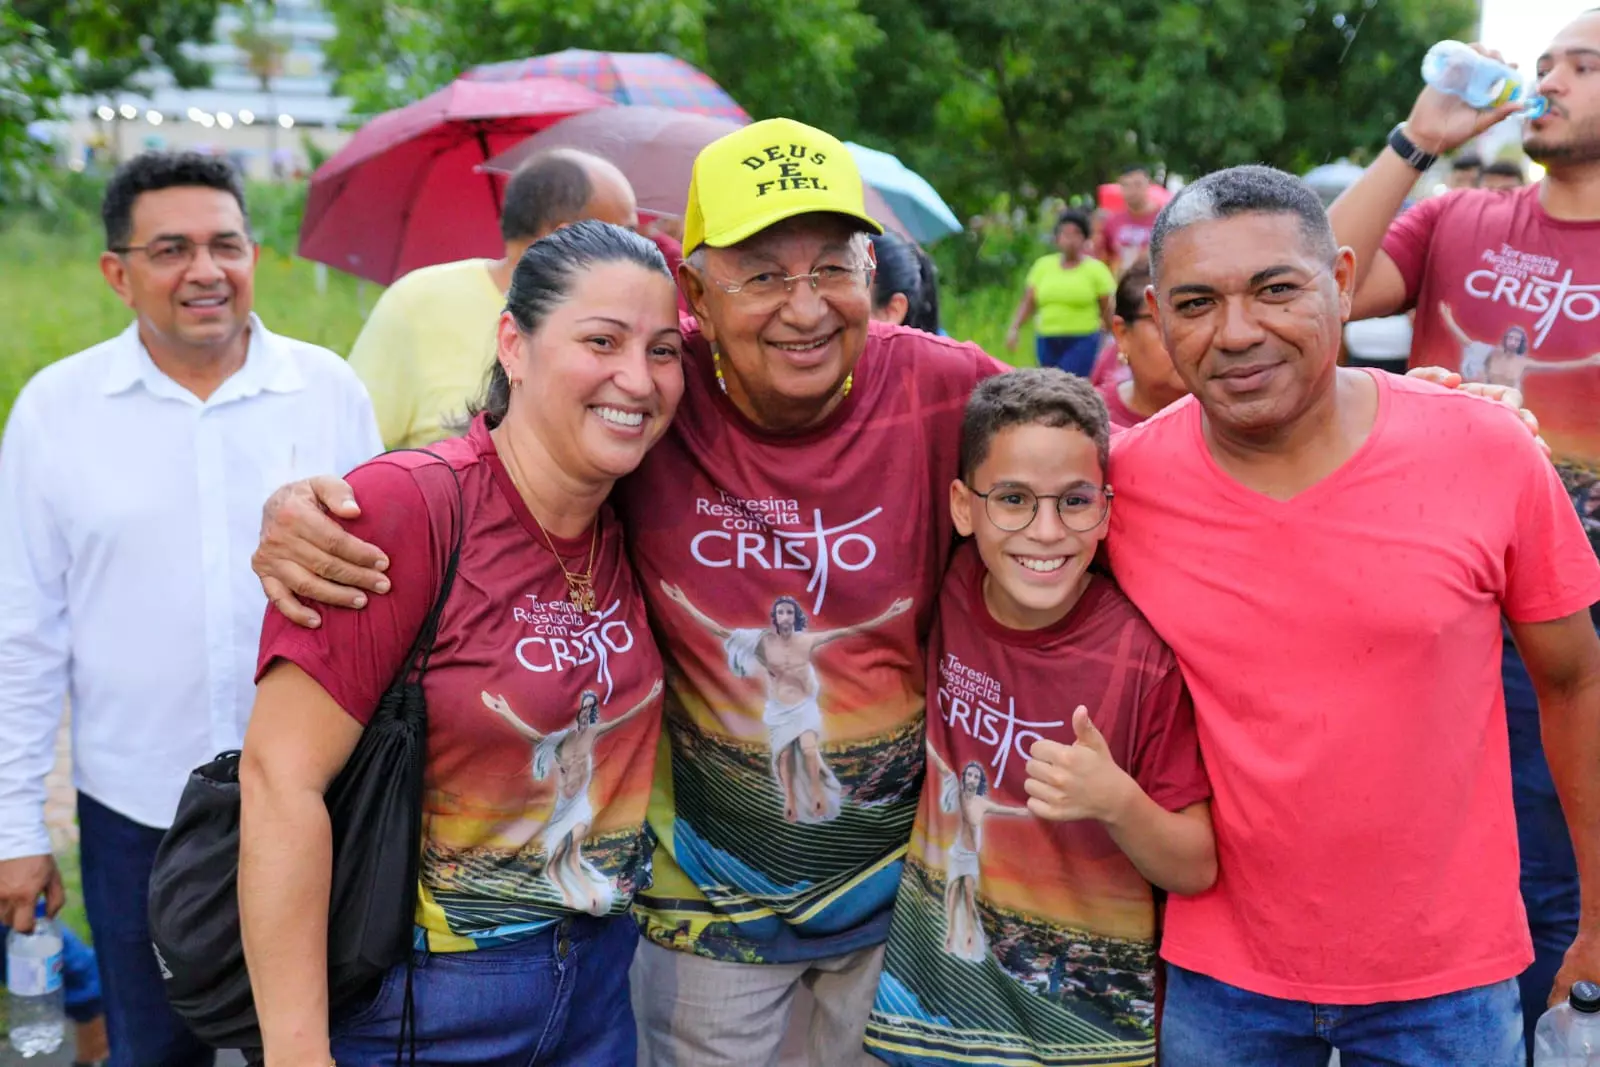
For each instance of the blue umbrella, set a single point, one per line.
(925, 214)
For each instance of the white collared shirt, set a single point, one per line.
(129, 509)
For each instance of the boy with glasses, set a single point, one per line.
(1025, 925)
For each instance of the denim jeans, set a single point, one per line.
(1073, 354)
(556, 999)
(1207, 1023)
(117, 855)
(1549, 869)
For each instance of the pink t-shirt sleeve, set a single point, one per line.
(1551, 570)
(1166, 756)
(1408, 239)
(355, 654)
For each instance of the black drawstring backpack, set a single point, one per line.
(375, 807)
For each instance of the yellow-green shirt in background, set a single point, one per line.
(426, 350)
(1068, 298)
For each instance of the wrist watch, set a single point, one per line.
(1415, 157)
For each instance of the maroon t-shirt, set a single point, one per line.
(1122, 416)
(1053, 956)
(791, 579)
(1507, 294)
(1126, 237)
(542, 720)
(1108, 366)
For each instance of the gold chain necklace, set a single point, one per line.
(716, 366)
(580, 587)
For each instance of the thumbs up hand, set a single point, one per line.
(1080, 780)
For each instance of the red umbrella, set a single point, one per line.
(638, 78)
(654, 148)
(406, 193)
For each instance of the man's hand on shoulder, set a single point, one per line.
(1500, 394)
(305, 553)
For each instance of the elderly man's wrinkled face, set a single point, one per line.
(786, 354)
(1252, 313)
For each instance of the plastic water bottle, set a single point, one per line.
(1485, 83)
(1568, 1035)
(33, 978)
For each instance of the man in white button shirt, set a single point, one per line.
(131, 482)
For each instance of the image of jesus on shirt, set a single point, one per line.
(792, 715)
(568, 756)
(967, 797)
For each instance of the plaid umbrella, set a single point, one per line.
(653, 78)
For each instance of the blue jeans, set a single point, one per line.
(1073, 354)
(1549, 869)
(1207, 1023)
(80, 975)
(556, 999)
(117, 855)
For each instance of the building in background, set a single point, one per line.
(269, 94)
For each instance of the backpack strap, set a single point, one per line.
(422, 648)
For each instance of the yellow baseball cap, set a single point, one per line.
(764, 173)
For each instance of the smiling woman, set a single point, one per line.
(539, 766)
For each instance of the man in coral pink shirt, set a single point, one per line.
(1329, 552)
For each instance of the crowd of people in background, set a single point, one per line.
(1197, 689)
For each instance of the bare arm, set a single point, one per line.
(304, 553)
(1361, 216)
(1563, 660)
(1106, 314)
(677, 596)
(1175, 850)
(502, 708)
(1449, 319)
(655, 691)
(298, 741)
(1004, 811)
(899, 607)
(1024, 312)
(1533, 365)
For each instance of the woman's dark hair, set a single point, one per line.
(543, 280)
(1075, 218)
(905, 268)
(1129, 301)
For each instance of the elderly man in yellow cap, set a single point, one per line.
(790, 532)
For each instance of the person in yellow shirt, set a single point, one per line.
(1071, 292)
(427, 347)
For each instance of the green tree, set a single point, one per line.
(32, 80)
(773, 56)
(112, 42)
(1055, 98)
(984, 97)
